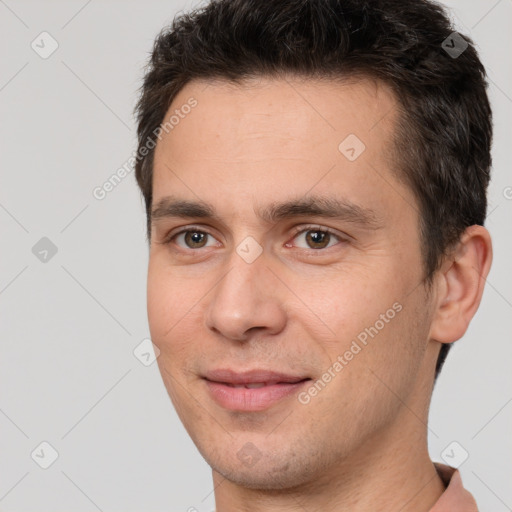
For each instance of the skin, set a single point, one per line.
(361, 443)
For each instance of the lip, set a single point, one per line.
(220, 384)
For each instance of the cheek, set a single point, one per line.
(395, 351)
(373, 324)
(345, 306)
(373, 374)
(159, 304)
(168, 302)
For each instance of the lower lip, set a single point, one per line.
(251, 399)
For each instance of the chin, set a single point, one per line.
(265, 475)
(259, 480)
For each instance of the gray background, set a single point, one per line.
(70, 324)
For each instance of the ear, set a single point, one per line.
(460, 285)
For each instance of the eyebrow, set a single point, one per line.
(170, 207)
(318, 206)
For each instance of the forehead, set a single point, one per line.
(285, 109)
(267, 138)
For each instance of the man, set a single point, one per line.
(314, 173)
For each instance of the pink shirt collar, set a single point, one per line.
(455, 498)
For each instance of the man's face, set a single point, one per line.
(244, 291)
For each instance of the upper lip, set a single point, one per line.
(228, 376)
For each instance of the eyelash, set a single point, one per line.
(298, 231)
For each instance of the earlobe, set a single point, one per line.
(460, 284)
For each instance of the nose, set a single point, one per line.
(246, 301)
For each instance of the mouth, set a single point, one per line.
(254, 390)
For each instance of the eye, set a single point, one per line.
(191, 239)
(317, 238)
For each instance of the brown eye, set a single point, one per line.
(192, 239)
(315, 238)
(195, 239)
(318, 239)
